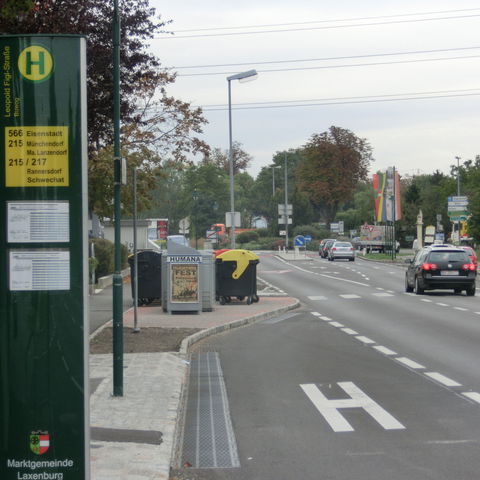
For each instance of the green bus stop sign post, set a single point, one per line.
(43, 259)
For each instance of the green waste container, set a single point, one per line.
(236, 276)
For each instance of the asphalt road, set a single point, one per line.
(363, 382)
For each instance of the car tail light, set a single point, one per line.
(429, 266)
(334, 248)
(469, 266)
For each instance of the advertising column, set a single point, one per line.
(43, 259)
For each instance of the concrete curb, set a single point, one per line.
(196, 337)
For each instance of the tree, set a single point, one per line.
(220, 158)
(333, 163)
(154, 124)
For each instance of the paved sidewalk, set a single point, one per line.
(132, 437)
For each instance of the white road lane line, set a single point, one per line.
(382, 294)
(317, 297)
(384, 350)
(350, 295)
(426, 300)
(317, 314)
(366, 340)
(448, 382)
(349, 331)
(442, 304)
(475, 396)
(409, 363)
(327, 319)
(461, 309)
(336, 324)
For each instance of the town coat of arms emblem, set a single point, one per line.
(39, 442)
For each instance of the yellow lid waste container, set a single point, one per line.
(236, 276)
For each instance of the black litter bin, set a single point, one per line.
(236, 276)
(149, 276)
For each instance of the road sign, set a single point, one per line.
(236, 219)
(281, 220)
(308, 238)
(299, 241)
(44, 424)
(458, 218)
(281, 209)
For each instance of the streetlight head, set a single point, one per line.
(247, 76)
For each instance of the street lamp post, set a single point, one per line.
(242, 77)
(273, 167)
(286, 204)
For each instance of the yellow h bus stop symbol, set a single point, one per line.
(35, 63)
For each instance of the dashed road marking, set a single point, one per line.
(365, 339)
(350, 295)
(475, 396)
(462, 309)
(448, 382)
(337, 324)
(316, 297)
(384, 350)
(409, 363)
(349, 331)
(382, 294)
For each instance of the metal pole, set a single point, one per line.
(286, 204)
(117, 276)
(230, 162)
(273, 181)
(394, 216)
(136, 329)
(458, 176)
(457, 222)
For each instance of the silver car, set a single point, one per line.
(341, 250)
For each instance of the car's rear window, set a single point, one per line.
(448, 257)
(340, 244)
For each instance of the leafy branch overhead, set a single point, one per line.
(155, 126)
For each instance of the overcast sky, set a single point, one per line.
(347, 53)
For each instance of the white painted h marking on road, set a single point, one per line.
(358, 399)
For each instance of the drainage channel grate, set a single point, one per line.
(208, 441)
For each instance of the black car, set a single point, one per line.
(325, 246)
(441, 268)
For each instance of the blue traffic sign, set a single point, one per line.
(299, 241)
(308, 238)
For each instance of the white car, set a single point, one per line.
(341, 250)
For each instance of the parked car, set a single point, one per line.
(471, 253)
(324, 246)
(341, 250)
(439, 267)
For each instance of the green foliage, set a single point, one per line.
(104, 253)
(262, 232)
(246, 237)
(333, 164)
(105, 257)
(155, 126)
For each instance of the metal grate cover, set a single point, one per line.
(209, 440)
